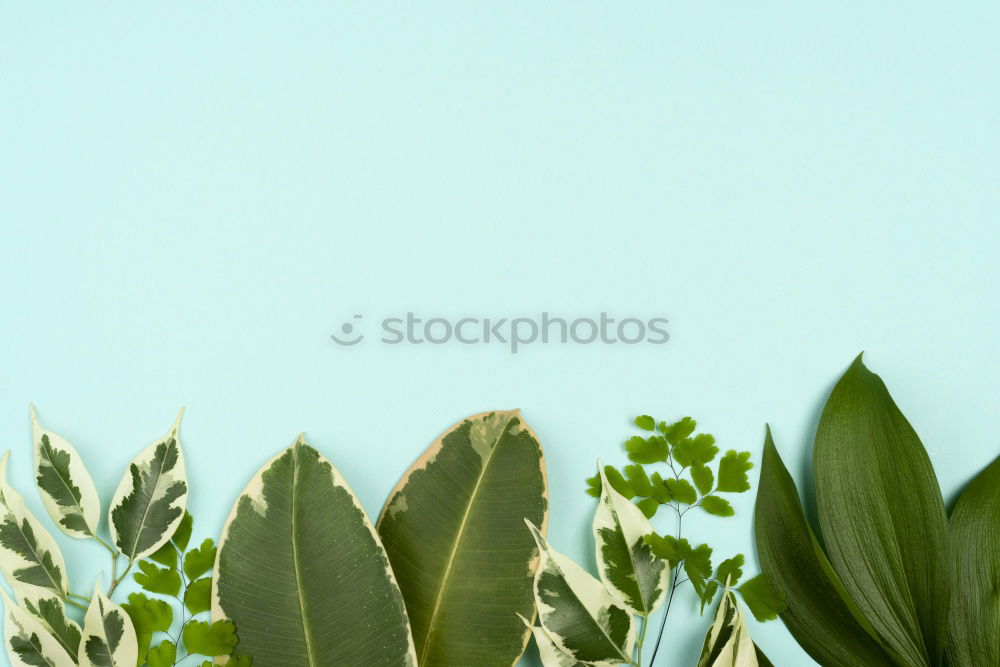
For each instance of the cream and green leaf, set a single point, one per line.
(456, 517)
(149, 503)
(65, 485)
(633, 574)
(109, 639)
(728, 642)
(28, 553)
(328, 595)
(49, 610)
(27, 642)
(577, 612)
(548, 652)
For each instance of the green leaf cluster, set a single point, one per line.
(886, 577)
(183, 574)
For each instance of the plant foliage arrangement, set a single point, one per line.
(589, 621)
(887, 578)
(147, 509)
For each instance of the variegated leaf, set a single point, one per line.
(151, 498)
(27, 642)
(549, 653)
(577, 612)
(50, 611)
(28, 553)
(301, 572)
(109, 638)
(67, 490)
(457, 516)
(633, 574)
(728, 642)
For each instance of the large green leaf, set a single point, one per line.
(149, 503)
(633, 574)
(28, 553)
(302, 573)
(67, 490)
(453, 528)
(820, 614)
(882, 516)
(727, 642)
(577, 612)
(974, 623)
(27, 642)
(109, 639)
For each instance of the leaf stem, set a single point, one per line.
(117, 580)
(69, 601)
(642, 637)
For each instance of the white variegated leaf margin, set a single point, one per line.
(12, 507)
(89, 505)
(126, 654)
(18, 622)
(738, 650)
(616, 511)
(549, 653)
(591, 593)
(29, 596)
(179, 473)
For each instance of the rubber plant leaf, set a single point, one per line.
(65, 485)
(109, 639)
(27, 641)
(548, 652)
(727, 642)
(882, 516)
(150, 501)
(974, 621)
(49, 610)
(577, 612)
(28, 553)
(302, 574)
(632, 573)
(456, 517)
(820, 614)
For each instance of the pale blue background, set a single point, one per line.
(192, 198)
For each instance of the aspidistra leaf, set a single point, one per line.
(820, 613)
(882, 516)
(634, 575)
(457, 516)
(66, 487)
(974, 619)
(149, 503)
(298, 516)
(577, 612)
(28, 553)
(109, 639)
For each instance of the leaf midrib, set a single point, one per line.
(145, 512)
(45, 452)
(632, 560)
(295, 557)
(458, 540)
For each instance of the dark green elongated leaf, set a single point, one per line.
(630, 570)
(820, 614)
(149, 504)
(577, 611)
(328, 595)
(457, 516)
(974, 621)
(882, 516)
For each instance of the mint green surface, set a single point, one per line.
(193, 198)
